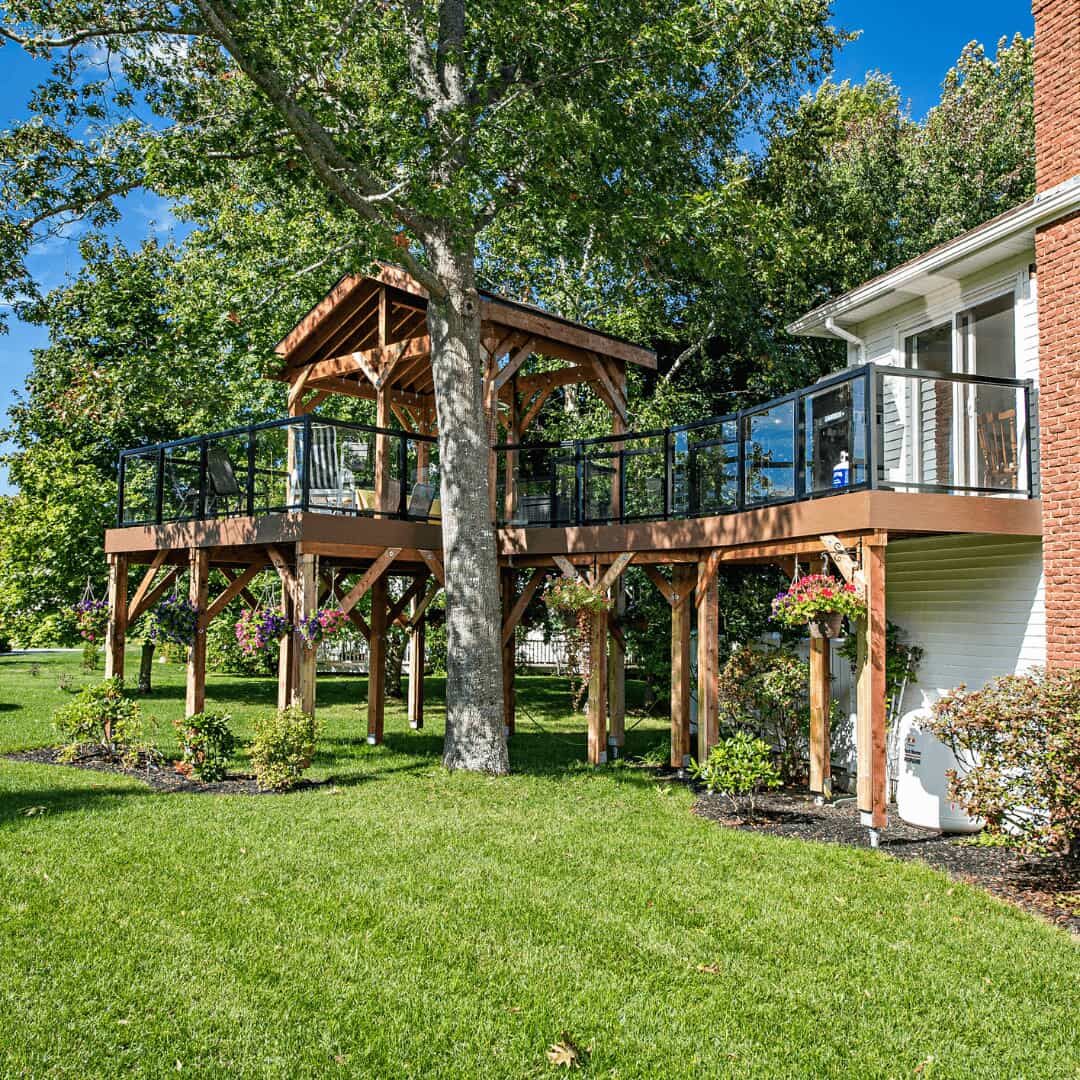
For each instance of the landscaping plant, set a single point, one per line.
(103, 717)
(174, 620)
(206, 744)
(738, 767)
(283, 747)
(1017, 743)
(812, 598)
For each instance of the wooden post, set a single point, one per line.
(708, 618)
(417, 634)
(680, 669)
(382, 451)
(287, 650)
(820, 700)
(307, 583)
(116, 631)
(377, 662)
(598, 693)
(870, 728)
(513, 435)
(509, 579)
(617, 673)
(198, 594)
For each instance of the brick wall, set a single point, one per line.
(1057, 257)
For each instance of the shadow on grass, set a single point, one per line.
(27, 806)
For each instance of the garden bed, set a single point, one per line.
(162, 777)
(1049, 887)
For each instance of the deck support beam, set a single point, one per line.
(820, 701)
(616, 675)
(377, 662)
(708, 618)
(116, 631)
(682, 579)
(417, 660)
(307, 601)
(198, 593)
(598, 691)
(288, 645)
(870, 727)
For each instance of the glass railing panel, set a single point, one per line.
(952, 435)
(835, 436)
(646, 478)
(706, 468)
(769, 452)
(537, 485)
(275, 478)
(140, 488)
(226, 479)
(181, 486)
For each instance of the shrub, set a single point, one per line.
(206, 744)
(1017, 743)
(768, 691)
(283, 747)
(104, 716)
(738, 767)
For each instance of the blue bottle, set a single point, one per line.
(841, 474)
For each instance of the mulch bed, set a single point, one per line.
(161, 776)
(1049, 887)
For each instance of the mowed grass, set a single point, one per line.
(410, 923)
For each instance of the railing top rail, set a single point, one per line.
(267, 425)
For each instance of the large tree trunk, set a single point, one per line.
(474, 716)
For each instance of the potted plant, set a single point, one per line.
(259, 627)
(575, 603)
(321, 624)
(175, 620)
(820, 601)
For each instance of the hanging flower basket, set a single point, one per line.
(820, 601)
(572, 596)
(174, 619)
(92, 619)
(258, 628)
(321, 624)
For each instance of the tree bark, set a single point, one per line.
(474, 720)
(396, 642)
(146, 667)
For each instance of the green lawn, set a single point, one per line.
(405, 922)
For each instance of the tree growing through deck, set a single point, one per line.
(426, 123)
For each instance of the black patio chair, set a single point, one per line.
(225, 494)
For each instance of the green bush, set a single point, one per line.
(283, 747)
(1017, 742)
(103, 716)
(206, 744)
(738, 767)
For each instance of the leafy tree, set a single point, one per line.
(420, 125)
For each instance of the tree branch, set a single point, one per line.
(92, 33)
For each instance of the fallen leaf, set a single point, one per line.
(709, 969)
(513, 1008)
(34, 811)
(341, 1059)
(564, 1053)
(924, 1065)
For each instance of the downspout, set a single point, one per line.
(846, 335)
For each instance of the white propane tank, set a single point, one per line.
(922, 787)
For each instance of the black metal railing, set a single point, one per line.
(305, 463)
(867, 427)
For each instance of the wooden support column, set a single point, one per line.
(617, 671)
(286, 650)
(513, 435)
(377, 662)
(417, 635)
(598, 693)
(382, 451)
(708, 628)
(870, 727)
(509, 578)
(116, 631)
(198, 594)
(307, 601)
(681, 612)
(820, 700)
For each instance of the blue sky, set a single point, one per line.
(916, 42)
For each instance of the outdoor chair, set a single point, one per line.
(224, 495)
(420, 500)
(998, 445)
